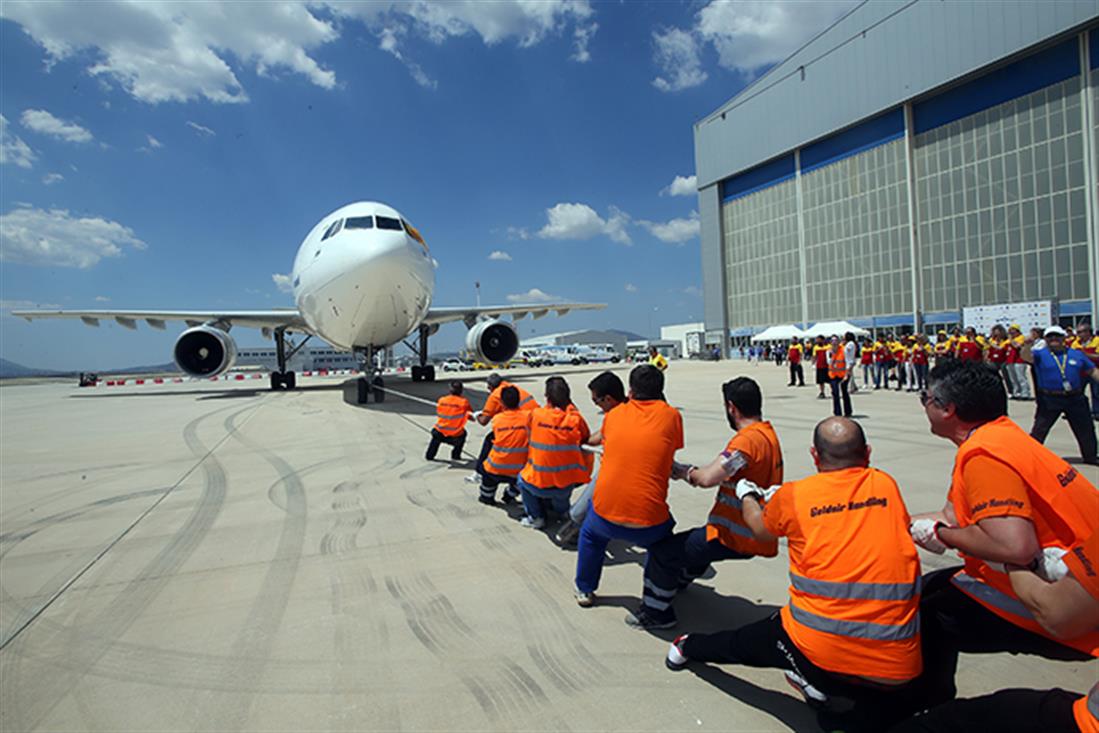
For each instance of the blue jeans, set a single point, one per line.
(533, 496)
(597, 533)
(582, 504)
(880, 374)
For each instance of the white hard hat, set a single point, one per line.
(1055, 331)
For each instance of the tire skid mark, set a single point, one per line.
(16, 536)
(249, 653)
(82, 652)
(350, 517)
(422, 471)
(498, 537)
(440, 508)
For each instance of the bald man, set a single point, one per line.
(848, 640)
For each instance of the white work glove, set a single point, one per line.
(745, 488)
(1050, 566)
(925, 533)
(770, 491)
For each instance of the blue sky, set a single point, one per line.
(173, 155)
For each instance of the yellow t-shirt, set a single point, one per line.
(659, 361)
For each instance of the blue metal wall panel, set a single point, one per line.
(758, 178)
(875, 131)
(1009, 82)
(904, 319)
(1075, 308)
(1093, 49)
(942, 317)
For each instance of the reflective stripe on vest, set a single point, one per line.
(985, 593)
(856, 629)
(505, 468)
(555, 448)
(720, 521)
(856, 591)
(451, 415)
(518, 449)
(558, 469)
(1093, 702)
(526, 400)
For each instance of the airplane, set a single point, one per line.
(363, 280)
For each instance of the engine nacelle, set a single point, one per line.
(205, 351)
(493, 342)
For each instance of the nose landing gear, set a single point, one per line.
(281, 378)
(371, 383)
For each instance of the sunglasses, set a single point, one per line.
(926, 398)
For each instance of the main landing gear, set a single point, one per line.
(281, 378)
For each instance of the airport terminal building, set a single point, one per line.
(915, 158)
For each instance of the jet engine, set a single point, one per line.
(493, 342)
(205, 351)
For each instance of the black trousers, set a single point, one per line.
(486, 448)
(456, 442)
(1006, 711)
(839, 387)
(797, 374)
(952, 622)
(853, 705)
(1075, 408)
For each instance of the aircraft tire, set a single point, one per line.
(276, 380)
(363, 393)
(290, 380)
(429, 373)
(378, 388)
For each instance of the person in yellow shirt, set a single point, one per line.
(1088, 342)
(657, 359)
(1019, 369)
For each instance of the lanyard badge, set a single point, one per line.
(1061, 366)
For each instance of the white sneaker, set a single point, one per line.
(812, 695)
(473, 478)
(533, 523)
(584, 600)
(676, 660)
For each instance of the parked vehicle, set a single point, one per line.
(455, 365)
(598, 354)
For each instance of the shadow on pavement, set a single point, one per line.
(794, 713)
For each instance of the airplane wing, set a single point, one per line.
(470, 314)
(287, 318)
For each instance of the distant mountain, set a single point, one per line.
(9, 370)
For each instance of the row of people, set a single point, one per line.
(862, 636)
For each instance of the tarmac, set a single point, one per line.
(214, 556)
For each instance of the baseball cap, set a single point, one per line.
(1055, 331)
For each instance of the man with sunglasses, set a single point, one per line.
(1059, 375)
(1011, 502)
(607, 393)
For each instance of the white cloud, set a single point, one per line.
(534, 295)
(41, 121)
(178, 51)
(282, 282)
(746, 34)
(677, 56)
(201, 129)
(500, 256)
(749, 34)
(681, 186)
(581, 37)
(675, 231)
(51, 178)
(102, 299)
(518, 233)
(388, 43)
(31, 236)
(12, 148)
(151, 144)
(631, 288)
(579, 221)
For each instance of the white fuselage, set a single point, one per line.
(369, 283)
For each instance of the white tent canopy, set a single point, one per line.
(835, 328)
(778, 333)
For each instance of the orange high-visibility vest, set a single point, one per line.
(854, 576)
(1065, 513)
(554, 458)
(726, 520)
(452, 411)
(511, 436)
(837, 364)
(493, 404)
(1086, 711)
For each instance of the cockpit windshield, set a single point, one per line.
(332, 229)
(361, 222)
(385, 222)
